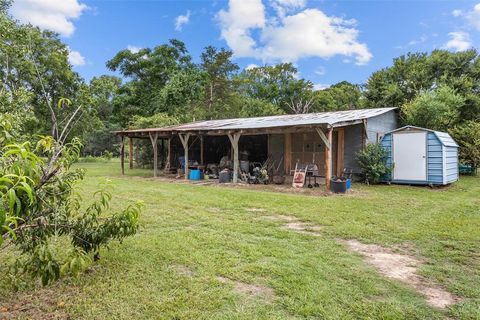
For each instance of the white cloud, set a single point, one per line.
(308, 33)
(420, 40)
(75, 58)
(460, 41)
(457, 13)
(182, 20)
(321, 86)
(237, 22)
(474, 16)
(320, 71)
(55, 15)
(134, 49)
(283, 7)
(251, 66)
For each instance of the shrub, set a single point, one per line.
(467, 136)
(38, 204)
(373, 163)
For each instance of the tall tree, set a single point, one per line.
(35, 74)
(148, 71)
(219, 69)
(278, 85)
(415, 73)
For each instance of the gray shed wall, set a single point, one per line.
(353, 144)
(379, 125)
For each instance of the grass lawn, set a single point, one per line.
(199, 244)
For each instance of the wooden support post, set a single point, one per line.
(169, 154)
(153, 139)
(184, 139)
(328, 159)
(201, 150)
(122, 155)
(287, 149)
(130, 153)
(136, 152)
(234, 141)
(340, 151)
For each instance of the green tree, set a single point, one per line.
(148, 71)
(102, 91)
(341, 96)
(416, 73)
(467, 136)
(438, 109)
(279, 86)
(218, 89)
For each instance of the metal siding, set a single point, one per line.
(386, 143)
(451, 164)
(442, 160)
(434, 159)
(353, 144)
(377, 126)
(335, 118)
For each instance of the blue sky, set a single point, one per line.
(329, 41)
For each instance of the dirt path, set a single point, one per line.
(403, 268)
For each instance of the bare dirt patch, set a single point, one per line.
(302, 227)
(41, 305)
(255, 210)
(249, 290)
(294, 224)
(403, 267)
(279, 217)
(183, 270)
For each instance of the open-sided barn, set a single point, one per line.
(329, 140)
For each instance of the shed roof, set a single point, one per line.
(445, 138)
(334, 119)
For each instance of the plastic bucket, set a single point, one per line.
(195, 174)
(338, 186)
(349, 183)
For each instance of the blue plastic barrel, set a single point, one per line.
(349, 183)
(195, 174)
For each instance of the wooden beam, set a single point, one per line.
(136, 153)
(169, 154)
(234, 141)
(122, 155)
(153, 139)
(130, 153)
(287, 149)
(340, 151)
(201, 150)
(184, 139)
(325, 140)
(328, 160)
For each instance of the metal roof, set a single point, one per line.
(334, 119)
(445, 138)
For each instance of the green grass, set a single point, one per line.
(208, 230)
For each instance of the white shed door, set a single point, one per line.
(409, 156)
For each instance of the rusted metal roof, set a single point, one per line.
(333, 119)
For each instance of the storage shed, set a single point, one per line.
(328, 141)
(421, 156)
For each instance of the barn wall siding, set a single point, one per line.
(353, 144)
(377, 126)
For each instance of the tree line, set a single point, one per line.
(162, 85)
